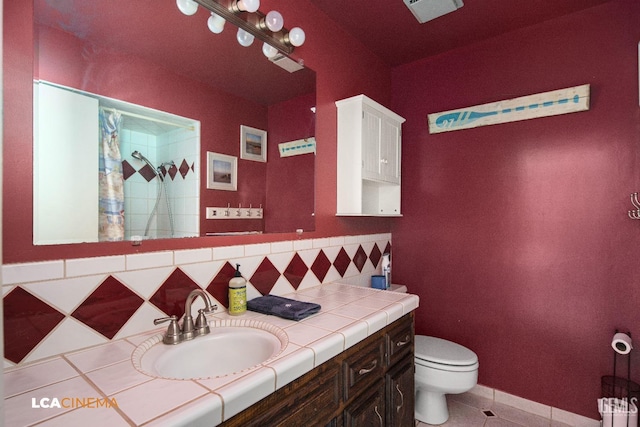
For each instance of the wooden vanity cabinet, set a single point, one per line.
(369, 384)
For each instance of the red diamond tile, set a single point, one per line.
(27, 321)
(296, 270)
(387, 249)
(342, 262)
(170, 297)
(108, 308)
(147, 172)
(265, 277)
(219, 286)
(127, 170)
(193, 167)
(375, 255)
(184, 168)
(360, 258)
(321, 266)
(173, 171)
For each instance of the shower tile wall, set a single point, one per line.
(181, 146)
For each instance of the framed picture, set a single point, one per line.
(222, 172)
(253, 144)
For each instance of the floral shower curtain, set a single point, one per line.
(111, 181)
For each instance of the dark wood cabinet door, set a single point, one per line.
(368, 410)
(400, 402)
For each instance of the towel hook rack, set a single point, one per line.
(634, 213)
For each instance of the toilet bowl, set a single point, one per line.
(442, 367)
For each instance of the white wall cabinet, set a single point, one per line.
(369, 154)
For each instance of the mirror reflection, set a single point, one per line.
(129, 97)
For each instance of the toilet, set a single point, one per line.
(442, 367)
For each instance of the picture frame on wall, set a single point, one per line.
(253, 144)
(222, 172)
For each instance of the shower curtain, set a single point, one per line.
(111, 181)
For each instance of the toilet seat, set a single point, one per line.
(441, 354)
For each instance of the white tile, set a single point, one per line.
(70, 335)
(376, 321)
(203, 412)
(292, 366)
(302, 334)
(246, 391)
(156, 397)
(228, 252)
(149, 260)
(321, 243)
(145, 282)
(192, 255)
(328, 321)
(304, 244)
(19, 410)
(141, 321)
(572, 419)
(257, 249)
(65, 294)
(32, 272)
(327, 347)
(523, 404)
(31, 377)
(353, 311)
(394, 312)
(118, 377)
(98, 265)
(101, 356)
(482, 391)
(284, 246)
(203, 272)
(88, 416)
(336, 241)
(354, 333)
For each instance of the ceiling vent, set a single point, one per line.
(426, 10)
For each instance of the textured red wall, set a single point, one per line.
(341, 72)
(527, 255)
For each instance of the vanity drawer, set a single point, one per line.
(400, 341)
(363, 365)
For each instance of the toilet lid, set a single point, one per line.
(442, 351)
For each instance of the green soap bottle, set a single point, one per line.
(237, 294)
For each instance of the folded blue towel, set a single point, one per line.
(283, 307)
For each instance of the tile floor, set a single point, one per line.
(471, 410)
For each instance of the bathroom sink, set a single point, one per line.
(232, 346)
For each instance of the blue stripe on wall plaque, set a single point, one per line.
(300, 146)
(544, 104)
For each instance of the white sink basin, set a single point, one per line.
(232, 346)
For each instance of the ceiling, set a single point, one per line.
(389, 29)
(185, 45)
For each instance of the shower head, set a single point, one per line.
(138, 155)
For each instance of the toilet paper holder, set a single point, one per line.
(617, 387)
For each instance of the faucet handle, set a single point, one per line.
(202, 326)
(172, 336)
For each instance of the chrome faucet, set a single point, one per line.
(189, 330)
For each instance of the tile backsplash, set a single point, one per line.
(55, 307)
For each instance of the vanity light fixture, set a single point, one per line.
(251, 23)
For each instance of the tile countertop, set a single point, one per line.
(116, 394)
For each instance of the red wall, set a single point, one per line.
(341, 72)
(527, 254)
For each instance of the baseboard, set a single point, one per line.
(546, 411)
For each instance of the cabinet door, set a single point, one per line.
(400, 397)
(371, 141)
(390, 151)
(368, 410)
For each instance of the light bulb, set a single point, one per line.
(245, 39)
(188, 7)
(269, 51)
(248, 5)
(296, 36)
(216, 23)
(274, 21)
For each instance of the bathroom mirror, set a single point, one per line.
(147, 56)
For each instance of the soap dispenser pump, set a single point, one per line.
(237, 294)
